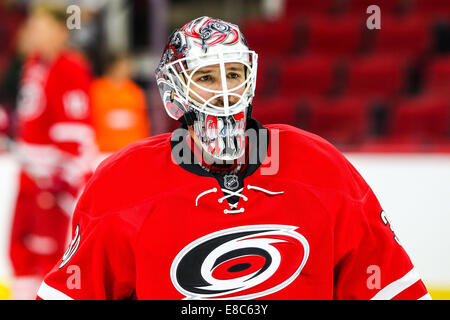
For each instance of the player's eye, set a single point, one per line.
(234, 75)
(205, 78)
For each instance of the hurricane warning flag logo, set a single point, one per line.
(245, 262)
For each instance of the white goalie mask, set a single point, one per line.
(207, 69)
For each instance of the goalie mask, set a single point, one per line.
(207, 77)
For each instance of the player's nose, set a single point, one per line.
(220, 101)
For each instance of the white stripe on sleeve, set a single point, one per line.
(46, 292)
(394, 288)
(426, 297)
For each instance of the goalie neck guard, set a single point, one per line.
(218, 114)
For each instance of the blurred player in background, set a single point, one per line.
(55, 146)
(118, 106)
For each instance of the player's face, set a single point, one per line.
(210, 77)
(45, 34)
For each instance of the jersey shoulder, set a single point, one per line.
(150, 145)
(299, 135)
(70, 63)
(128, 176)
(313, 160)
(74, 59)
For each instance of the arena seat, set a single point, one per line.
(275, 110)
(377, 75)
(437, 76)
(392, 145)
(426, 117)
(386, 7)
(307, 75)
(271, 37)
(343, 120)
(340, 36)
(410, 36)
(268, 73)
(308, 7)
(432, 8)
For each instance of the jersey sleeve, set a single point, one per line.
(370, 261)
(98, 265)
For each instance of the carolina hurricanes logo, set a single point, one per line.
(240, 263)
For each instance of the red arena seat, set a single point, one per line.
(342, 120)
(386, 7)
(334, 36)
(275, 110)
(432, 8)
(427, 117)
(307, 75)
(308, 7)
(377, 76)
(437, 77)
(270, 37)
(409, 36)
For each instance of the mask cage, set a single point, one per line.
(180, 72)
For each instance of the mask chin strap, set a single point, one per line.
(188, 118)
(249, 114)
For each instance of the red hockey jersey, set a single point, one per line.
(298, 223)
(54, 132)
